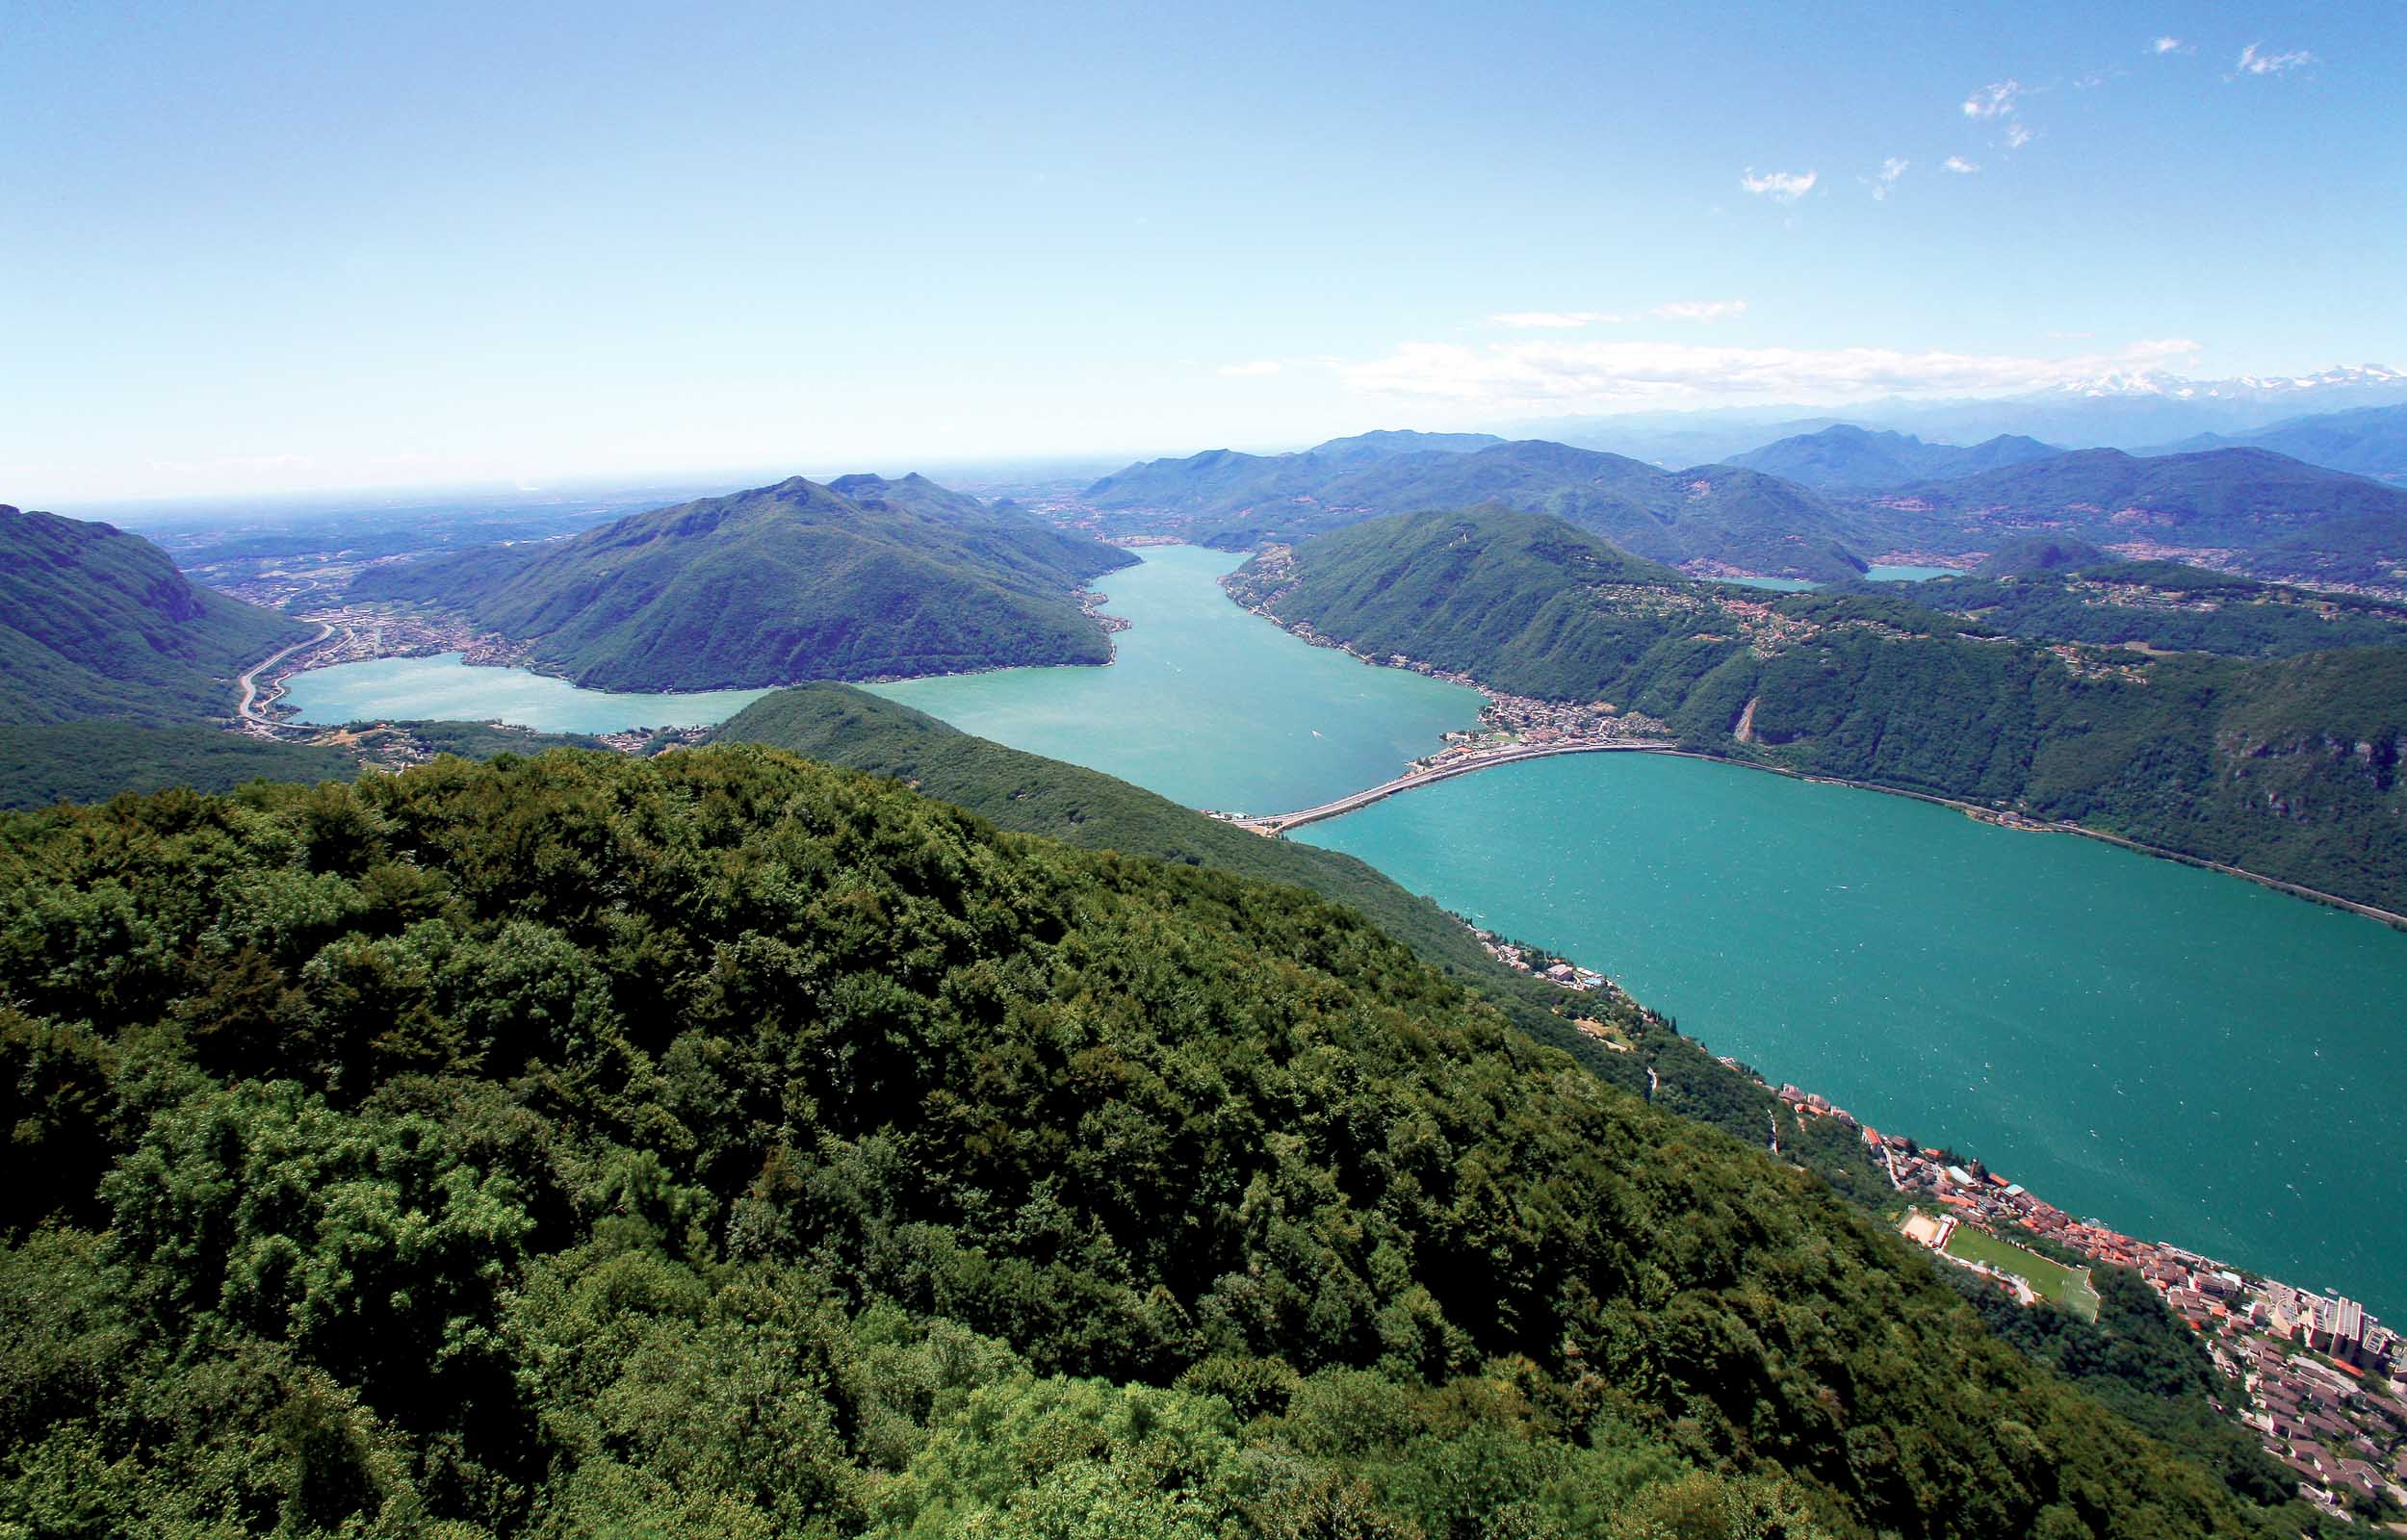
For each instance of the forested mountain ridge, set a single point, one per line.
(1846, 457)
(1213, 483)
(92, 761)
(777, 585)
(2366, 440)
(2265, 512)
(98, 623)
(725, 1143)
(2289, 766)
(1722, 515)
(2164, 605)
(920, 495)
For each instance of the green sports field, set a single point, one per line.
(2052, 1281)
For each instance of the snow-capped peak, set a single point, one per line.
(2245, 387)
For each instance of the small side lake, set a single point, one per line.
(444, 689)
(1873, 574)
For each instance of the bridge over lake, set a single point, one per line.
(1278, 823)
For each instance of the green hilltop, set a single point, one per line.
(724, 1144)
(775, 585)
(98, 623)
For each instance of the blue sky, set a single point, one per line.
(263, 249)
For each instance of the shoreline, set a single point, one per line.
(1994, 816)
(254, 709)
(2033, 825)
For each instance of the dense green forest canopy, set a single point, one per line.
(1028, 793)
(92, 761)
(781, 583)
(2287, 766)
(97, 623)
(727, 1145)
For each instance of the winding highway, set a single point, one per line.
(248, 707)
(1280, 822)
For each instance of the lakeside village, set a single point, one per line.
(2320, 1381)
(2313, 1371)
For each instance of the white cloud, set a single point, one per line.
(2254, 62)
(1248, 371)
(1542, 376)
(1554, 320)
(1701, 310)
(2062, 336)
(1996, 100)
(1785, 187)
(2017, 135)
(2167, 45)
(1959, 165)
(1886, 177)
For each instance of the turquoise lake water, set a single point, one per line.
(2188, 1057)
(1206, 704)
(1876, 573)
(443, 689)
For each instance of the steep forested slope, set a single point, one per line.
(97, 623)
(92, 761)
(727, 1145)
(2287, 766)
(1030, 794)
(788, 582)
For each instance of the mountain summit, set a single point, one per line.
(780, 583)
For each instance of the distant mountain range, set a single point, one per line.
(2262, 511)
(1718, 514)
(2370, 441)
(1845, 457)
(98, 623)
(777, 585)
(1218, 482)
(2126, 410)
(1879, 493)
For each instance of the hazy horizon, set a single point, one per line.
(361, 251)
